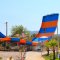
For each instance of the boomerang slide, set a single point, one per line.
(48, 27)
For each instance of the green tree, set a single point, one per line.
(18, 30)
(53, 44)
(33, 35)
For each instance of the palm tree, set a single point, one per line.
(47, 46)
(53, 44)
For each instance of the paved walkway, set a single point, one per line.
(17, 55)
(6, 55)
(34, 56)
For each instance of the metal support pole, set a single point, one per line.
(6, 28)
(6, 34)
(58, 42)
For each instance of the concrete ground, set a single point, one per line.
(6, 55)
(34, 56)
(17, 55)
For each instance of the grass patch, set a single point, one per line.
(50, 57)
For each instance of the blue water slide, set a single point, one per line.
(2, 35)
(47, 18)
(41, 39)
(15, 39)
(28, 43)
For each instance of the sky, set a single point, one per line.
(28, 13)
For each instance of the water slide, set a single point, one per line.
(3, 38)
(2, 35)
(48, 27)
